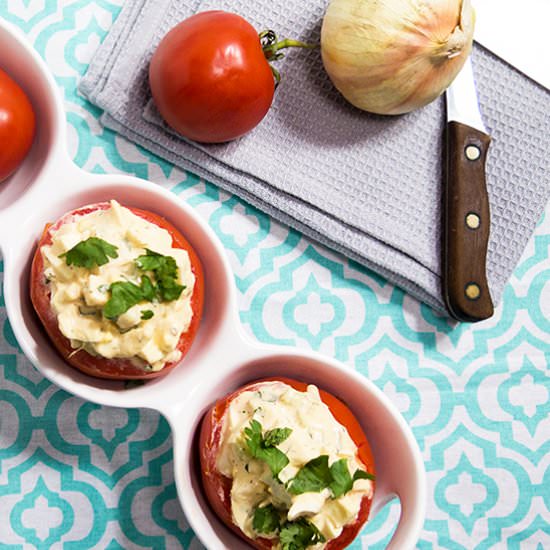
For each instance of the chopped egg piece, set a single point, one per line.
(95, 291)
(130, 318)
(71, 292)
(307, 504)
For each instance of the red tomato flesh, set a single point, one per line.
(217, 487)
(17, 124)
(101, 367)
(210, 79)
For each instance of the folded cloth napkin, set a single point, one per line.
(366, 185)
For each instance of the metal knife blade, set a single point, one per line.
(466, 219)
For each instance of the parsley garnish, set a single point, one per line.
(146, 314)
(293, 535)
(298, 535)
(264, 448)
(165, 270)
(90, 253)
(124, 295)
(266, 519)
(157, 263)
(275, 437)
(316, 476)
(342, 481)
(361, 474)
(312, 477)
(147, 288)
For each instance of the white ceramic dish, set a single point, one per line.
(221, 359)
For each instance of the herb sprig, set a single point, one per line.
(293, 535)
(90, 253)
(299, 534)
(266, 519)
(165, 271)
(125, 294)
(94, 252)
(264, 447)
(316, 475)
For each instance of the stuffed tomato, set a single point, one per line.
(287, 465)
(119, 291)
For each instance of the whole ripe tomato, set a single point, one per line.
(101, 367)
(17, 124)
(210, 78)
(218, 487)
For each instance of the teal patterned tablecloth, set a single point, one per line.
(77, 475)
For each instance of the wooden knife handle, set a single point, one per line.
(466, 225)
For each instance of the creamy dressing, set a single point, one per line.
(315, 432)
(78, 294)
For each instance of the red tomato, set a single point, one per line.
(210, 79)
(16, 125)
(218, 487)
(102, 367)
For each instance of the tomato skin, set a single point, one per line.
(17, 125)
(210, 79)
(101, 367)
(218, 487)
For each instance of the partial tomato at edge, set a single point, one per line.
(101, 367)
(218, 487)
(17, 125)
(210, 79)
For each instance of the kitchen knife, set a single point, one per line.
(466, 204)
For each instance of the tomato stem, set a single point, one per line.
(271, 47)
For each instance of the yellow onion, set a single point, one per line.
(393, 56)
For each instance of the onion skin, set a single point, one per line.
(393, 56)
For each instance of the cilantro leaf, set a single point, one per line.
(274, 458)
(316, 476)
(275, 437)
(298, 535)
(169, 290)
(266, 519)
(360, 474)
(90, 253)
(258, 447)
(146, 314)
(341, 479)
(312, 477)
(165, 270)
(153, 261)
(124, 295)
(253, 437)
(147, 288)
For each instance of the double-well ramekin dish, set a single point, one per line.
(221, 359)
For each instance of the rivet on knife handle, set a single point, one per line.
(466, 224)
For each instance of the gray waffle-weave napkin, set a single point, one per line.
(365, 185)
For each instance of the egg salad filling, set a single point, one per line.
(118, 287)
(296, 475)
